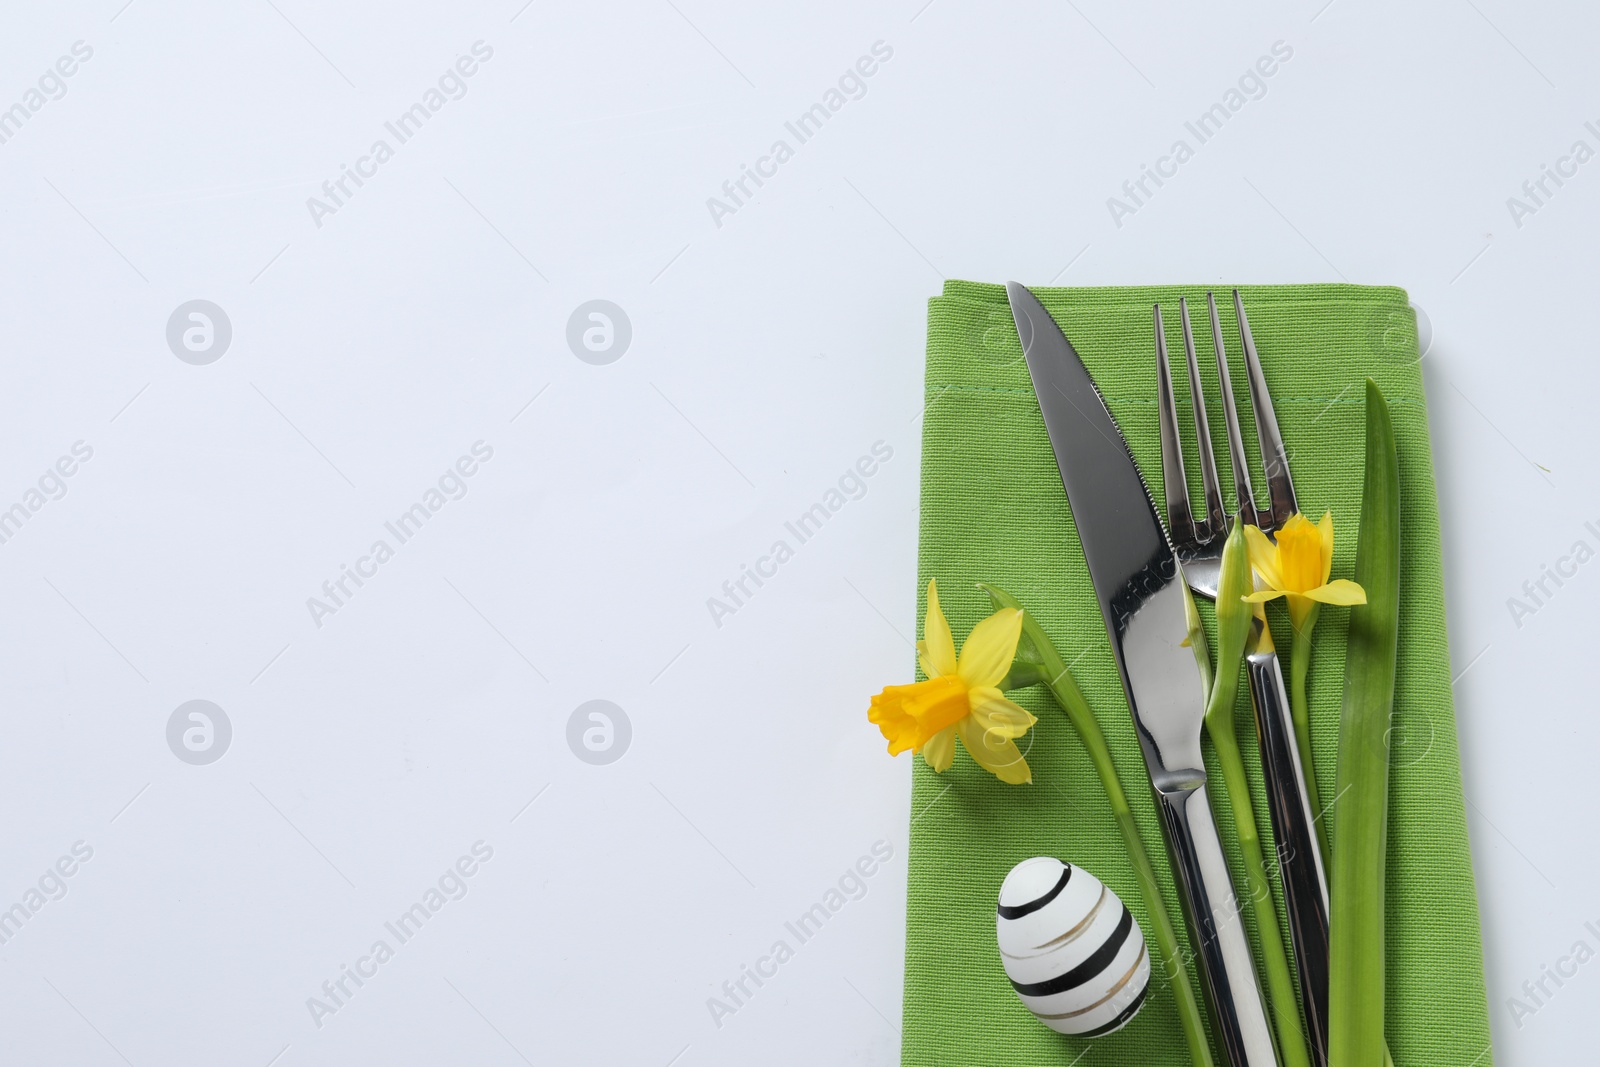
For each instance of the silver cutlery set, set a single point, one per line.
(1139, 568)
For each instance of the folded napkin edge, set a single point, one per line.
(994, 292)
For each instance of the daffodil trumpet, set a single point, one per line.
(1297, 567)
(1038, 662)
(961, 697)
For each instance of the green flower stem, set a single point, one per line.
(1233, 630)
(1300, 711)
(1279, 982)
(1356, 925)
(1036, 647)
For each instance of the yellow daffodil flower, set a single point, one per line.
(1297, 567)
(960, 697)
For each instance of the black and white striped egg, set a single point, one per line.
(1073, 951)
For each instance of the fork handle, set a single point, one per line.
(1216, 931)
(1305, 885)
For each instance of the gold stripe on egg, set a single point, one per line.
(1066, 938)
(1124, 980)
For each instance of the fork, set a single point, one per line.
(1198, 543)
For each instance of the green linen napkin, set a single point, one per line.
(993, 509)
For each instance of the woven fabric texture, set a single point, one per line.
(993, 509)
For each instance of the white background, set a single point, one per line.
(767, 355)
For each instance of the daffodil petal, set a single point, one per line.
(997, 755)
(1263, 556)
(1261, 596)
(939, 647)
(940, 750)
(997, 715)
(990, 648)
(925, 661)
(1325, 528)
(1342, 591)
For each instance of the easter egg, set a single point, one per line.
(1072, 949)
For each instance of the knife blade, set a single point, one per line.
(1140, 588)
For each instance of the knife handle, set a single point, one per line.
(1216, 931)
(1305, 885)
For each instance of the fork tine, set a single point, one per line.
(1180, 520)
(1215, 523)
(1280, 486)
(1243, 489)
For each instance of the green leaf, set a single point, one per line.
(1360, 838)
